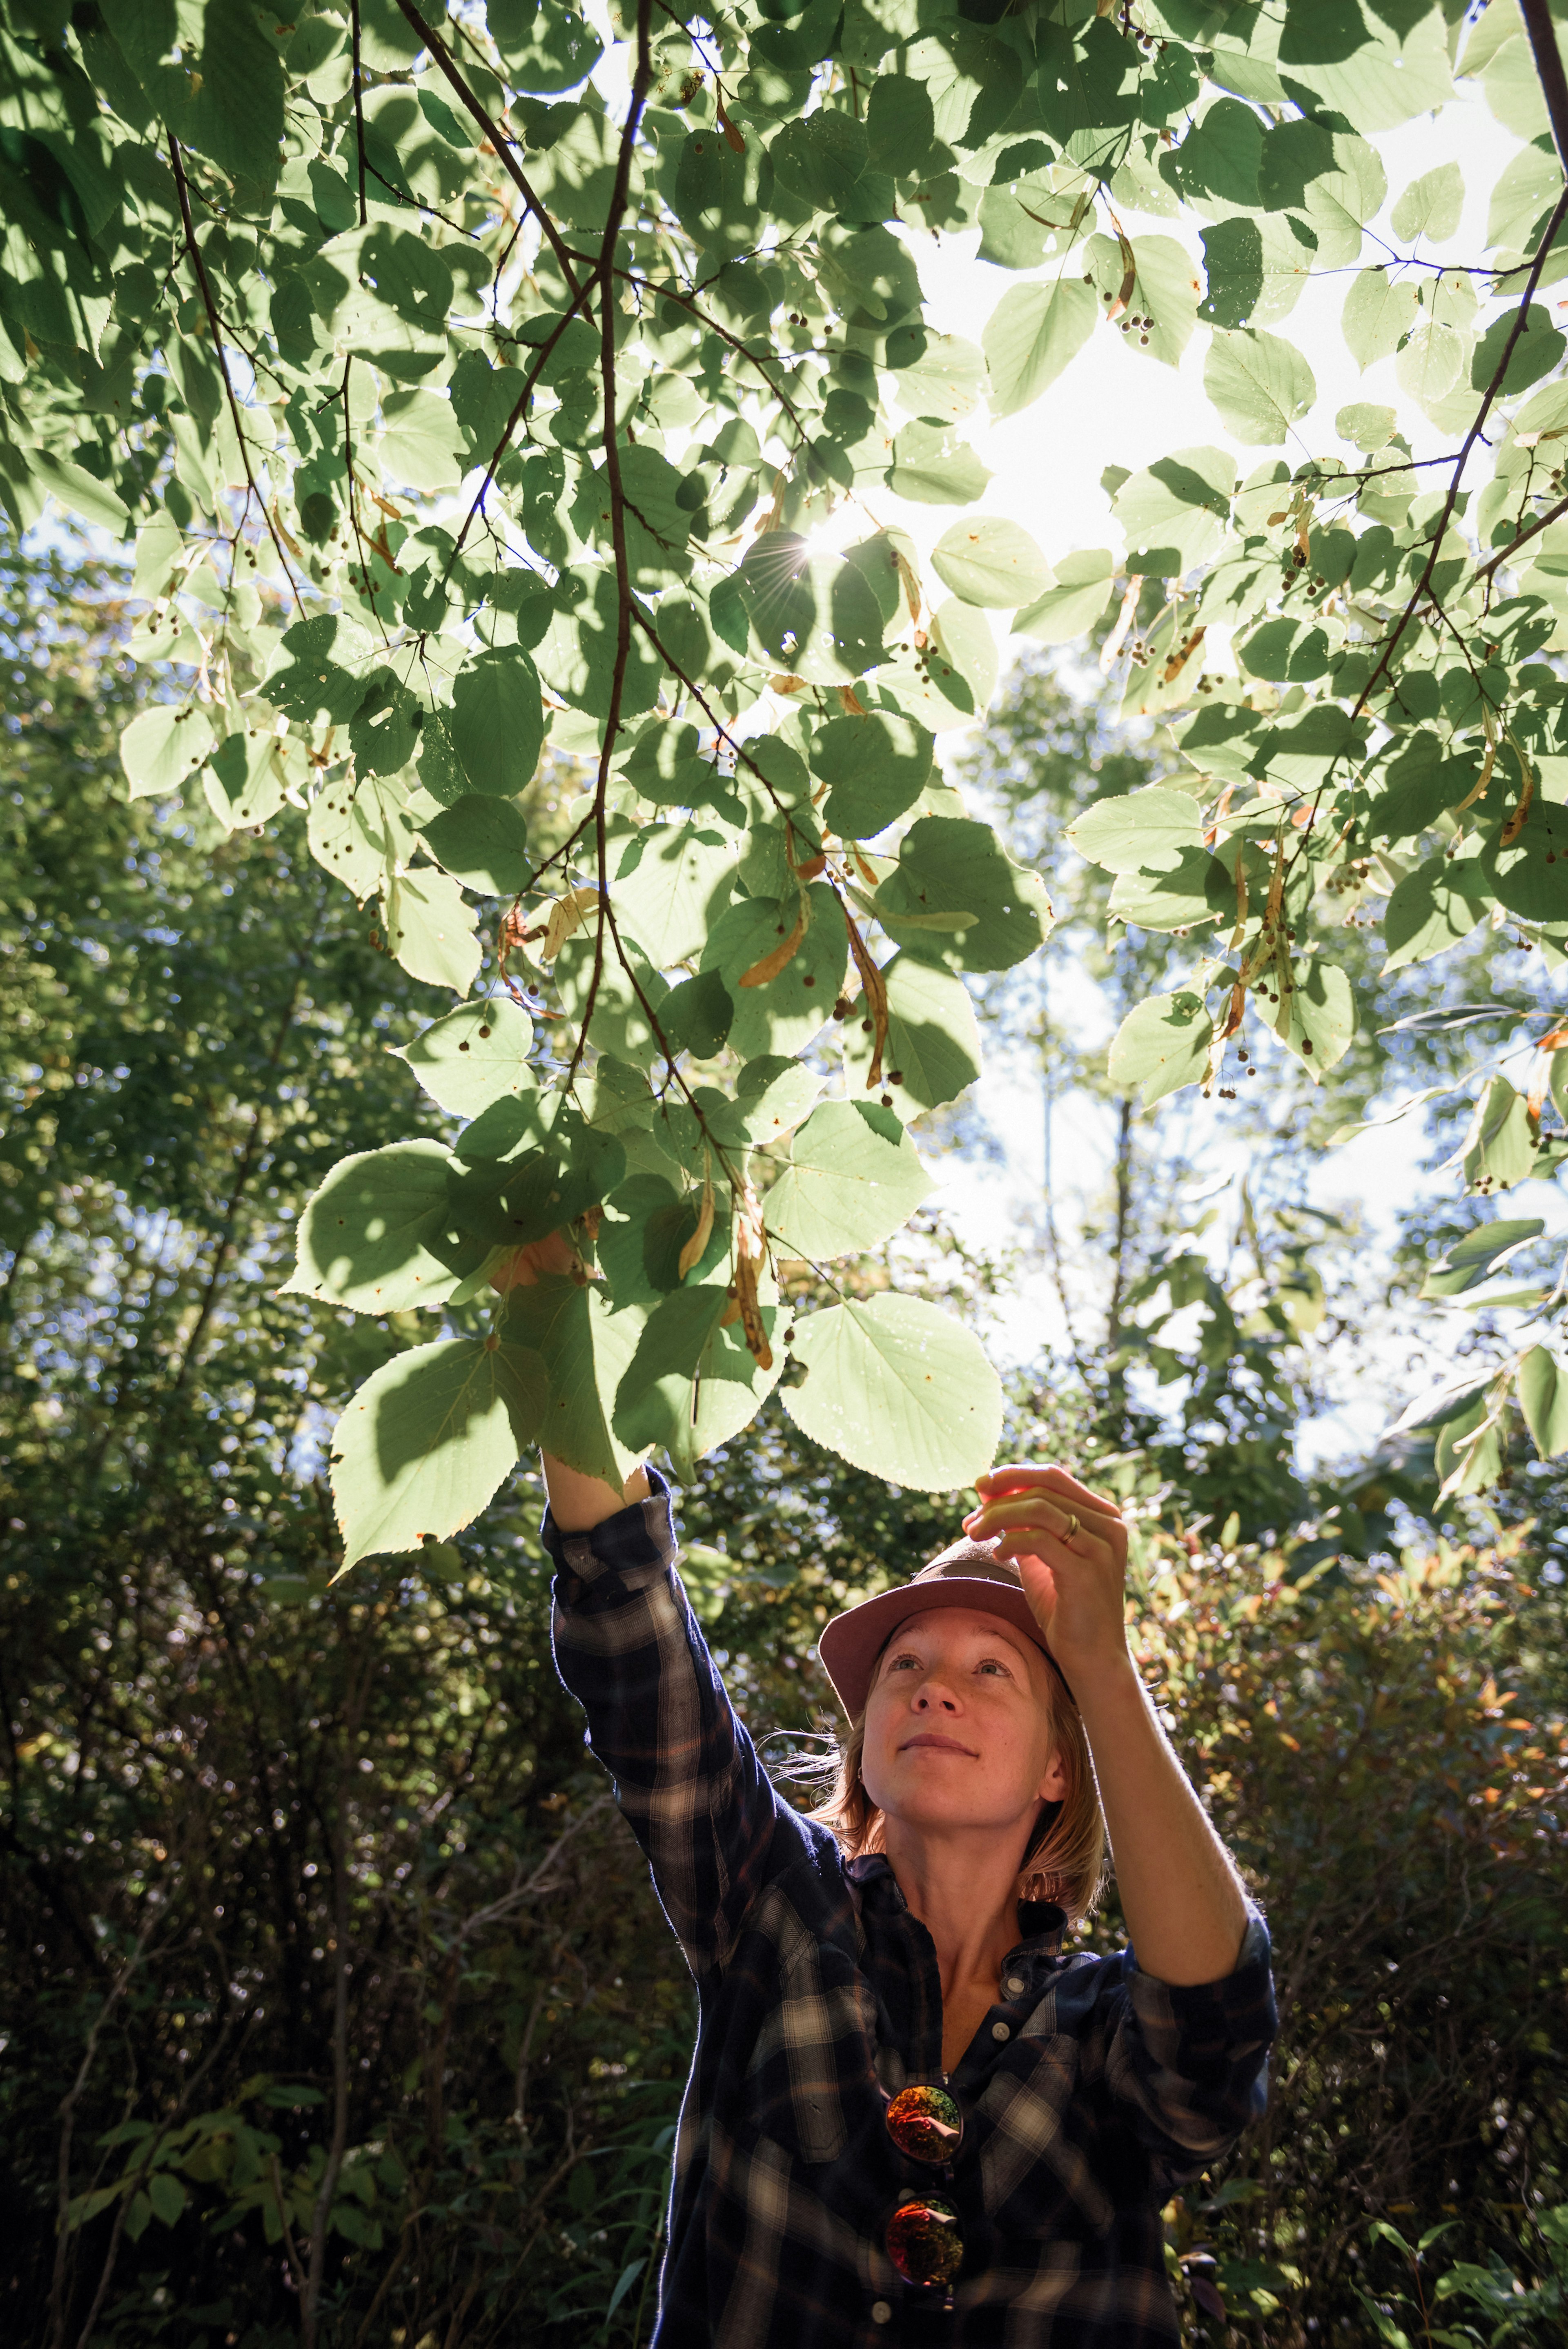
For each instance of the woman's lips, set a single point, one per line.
(938, 1746)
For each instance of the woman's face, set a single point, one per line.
(958, 1725)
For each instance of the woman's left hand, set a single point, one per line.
(1070, 1546)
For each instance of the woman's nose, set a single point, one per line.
(935, 1697)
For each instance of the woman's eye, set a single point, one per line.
(991, 1665)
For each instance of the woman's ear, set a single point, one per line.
(1053, 1786)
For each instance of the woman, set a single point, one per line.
(910, 2117)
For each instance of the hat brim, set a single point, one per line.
(851, 1643)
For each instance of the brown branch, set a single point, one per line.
(688, 302)
(523, 397)
(211, 307)
(1542, 522)
(358, 107)
(614, 215)
(1461, 456)
(354, 501)
(1537, 17)
(496, 136)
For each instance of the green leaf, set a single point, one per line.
(951, 863)
(431, 929)
(475, 1055)
(899, 1388)
(79, 489)
(1538, 350)
(940, 377)
(819, 157)
(1161, 1045)
(1434, 908)
(483, 842)
(1379, 311)
(1147, 829)
(168, 2196)
(932, 466)
(1317, 1018)
(1179, 895)
(1430, 206)
(237, 115)
(933, 1049)
(1481, 1252)
(1070, 608)
(781, 1016)
(1544, 1399)
(843, 1185)
(496, 723)
(876, 768)
(585, 1348)
(990, 562)
(1259, 384)
(163, 746)
(672, 884)
(1375, 71)
(422, 444)
(1499, 1149)
(546, 48)
(817, 613)
(359, 835)
(378, 1236)
(1175, 511)
(1032, 336)
(698, 1014)
(693, 1385)
(428, 1440)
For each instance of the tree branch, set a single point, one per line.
(1537, 15)
(614, 215)
(358, 107)
(498, 138)
(211, 307)
(1461, 456)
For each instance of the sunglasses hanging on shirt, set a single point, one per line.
(923, 2239)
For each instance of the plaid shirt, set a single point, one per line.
(1089, 2091)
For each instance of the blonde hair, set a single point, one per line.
(1065, 1862)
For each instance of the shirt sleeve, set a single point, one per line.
(1192, 2059)
(686, 1773)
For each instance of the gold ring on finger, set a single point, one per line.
(1073, 1526)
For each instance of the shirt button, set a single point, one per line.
(882, 2311)
(1015, 1984)
(1000, 2031)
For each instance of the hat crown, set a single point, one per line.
(970, 1561)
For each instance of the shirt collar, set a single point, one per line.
(1040, 1923)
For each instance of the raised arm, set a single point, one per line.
(1184, 1904)
(629, 1649)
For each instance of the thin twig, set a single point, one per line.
(523, 397)
(1461, 456)
(211, 307)
(496, 136)
(641, 76)
(358, 108)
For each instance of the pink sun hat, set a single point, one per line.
(966, 1574)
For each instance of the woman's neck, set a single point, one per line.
(964, 1890)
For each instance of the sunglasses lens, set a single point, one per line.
(923, 2241)
(925, 2124)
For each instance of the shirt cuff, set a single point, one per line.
(1253, 1956)
(638, 1541)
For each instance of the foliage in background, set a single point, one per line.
(337, 2006)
